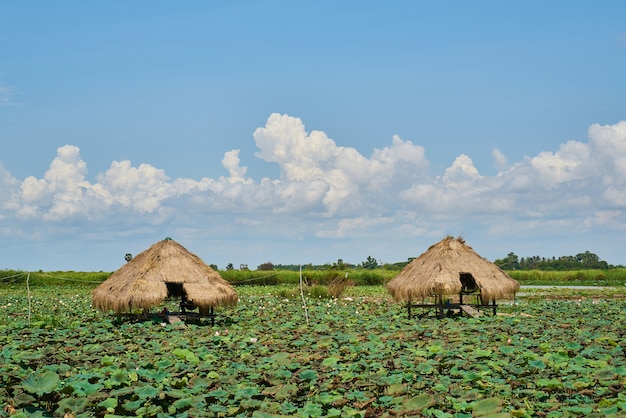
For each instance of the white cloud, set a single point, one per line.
(335, 192)
(500, 161)
(231, 163)
(572, 162)
(461, 174)
(347, 178)
(608, 144)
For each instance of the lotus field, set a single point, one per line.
(358, 355)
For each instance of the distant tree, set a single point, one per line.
(590, 260)
(586, 260)
(213, 266)
(339, 265)
(128, 257)
(243, 267)
(229, 266)
(370, 263)
(266, 266)
(510, 262)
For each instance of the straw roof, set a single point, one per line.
(437, 272)
(141, 283)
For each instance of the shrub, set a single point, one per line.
(338, 286)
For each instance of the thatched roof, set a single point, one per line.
(438, 270)
(141, 283)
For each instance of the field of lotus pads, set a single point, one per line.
(357, 356)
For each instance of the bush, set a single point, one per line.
(318, 292)
(338, 286)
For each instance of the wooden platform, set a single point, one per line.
(441, 310)
(470, 311)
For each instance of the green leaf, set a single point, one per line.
(184, 403)
(108, 360)
(507, 349)
(146, 392)
(330, 362)
(437, 413)
(73, 405)
(312, 410)
(84, 388)
(286, 392)
(419, 402)
(486, 406)
(41, 383)
(308, 375)
(480, 353)
(549, 383)
(539, 364)
(23, 399)
(110, 404)
(120, 377)
(187, 355)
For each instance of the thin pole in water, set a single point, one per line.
(28, 292)
(306, 313)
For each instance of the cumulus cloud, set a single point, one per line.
(499, 159)
(342, 177)
(337, 192)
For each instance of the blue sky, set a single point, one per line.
(296, 132)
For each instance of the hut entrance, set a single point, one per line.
(468, 283)
(468, 287)
(176, 290)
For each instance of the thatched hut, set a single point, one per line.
(165, 270)
(448, 269)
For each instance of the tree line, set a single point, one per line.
(580, 261)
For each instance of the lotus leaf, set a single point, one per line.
(23, 399)
(311, 410)
(419, 402)
(559, 358)
(308, 375)
(120, 377)
(41, 383)
(110, 404)
(69, 406)
(286, 392)
(146, 391)
(83, 387)
(108, 360)
(484, 407)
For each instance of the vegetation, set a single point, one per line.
(356, 276)
(580, 261)
(358, 356)
(610, 277)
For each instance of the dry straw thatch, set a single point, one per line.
(143, 282)
(437, 272)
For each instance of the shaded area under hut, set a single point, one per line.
(165, 271)
(451, 277)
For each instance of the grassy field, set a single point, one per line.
(550, 353)
(610, 277)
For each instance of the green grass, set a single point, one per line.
(611, 277)
(359, 277)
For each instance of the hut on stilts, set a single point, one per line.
(166, 270)
(451, 277)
